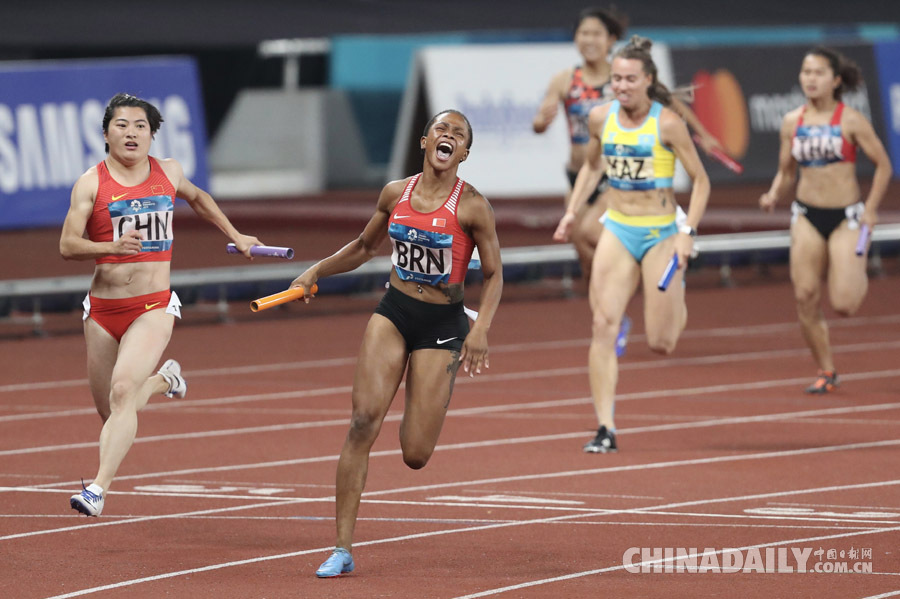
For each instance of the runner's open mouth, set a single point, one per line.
(444, 150)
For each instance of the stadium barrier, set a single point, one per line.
(18, 297)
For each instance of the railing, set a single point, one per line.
(720, 250)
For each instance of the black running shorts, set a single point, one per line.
(424, 325)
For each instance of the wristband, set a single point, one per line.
(687, 230)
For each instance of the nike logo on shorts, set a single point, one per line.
(151, 306)
(443, 341)
(119, 197)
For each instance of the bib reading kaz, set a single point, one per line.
(421, 256)
(151, 217)
(630, 167)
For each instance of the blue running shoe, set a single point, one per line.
(339, 562)
(622, 338)
(89, 502)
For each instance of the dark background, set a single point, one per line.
(190, 23)
(223, 34)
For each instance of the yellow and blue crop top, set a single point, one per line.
(635, 158)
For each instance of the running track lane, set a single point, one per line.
(229, 492)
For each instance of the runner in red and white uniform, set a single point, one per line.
(821, 138)
(434, 220)
(121, 217)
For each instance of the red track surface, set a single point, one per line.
(228, 493)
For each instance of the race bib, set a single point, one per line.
(151, 217)
(629, 167)
(421, 256)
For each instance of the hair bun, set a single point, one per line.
(642, 43)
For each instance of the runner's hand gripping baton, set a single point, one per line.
(668, 274)
(864, 232)
(282, 297)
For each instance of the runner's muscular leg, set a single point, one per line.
(102, 351)
(382, 360)
(614, 278)
(665, 312)
(429, 385)
(848, 281)
(586, 235)
(808, 261)
(131, 384)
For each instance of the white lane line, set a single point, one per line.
(501, 442)
(505, 408)
(842, 506)
(435, 520)
(544, 477)
(574, 575)
(255, 560)
(740, 331)
(655, 466)
(491, 378)
(513, 376)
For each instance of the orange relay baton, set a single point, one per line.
(282, 297)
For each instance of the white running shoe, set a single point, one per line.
(89, 502)
(171, 372)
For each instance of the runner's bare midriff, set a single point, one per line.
(129, 279)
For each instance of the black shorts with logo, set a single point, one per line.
(424, 325)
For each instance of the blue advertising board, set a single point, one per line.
(887, 55)
(51, 115)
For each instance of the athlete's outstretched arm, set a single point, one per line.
(864, 135)
(708, 141)
(588, 176)
(203, 204)
(787, 166)
(674, 133)
(363, 248)
(549, 107)
(477, 216)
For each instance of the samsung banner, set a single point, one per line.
(51, 117)
(499, 88)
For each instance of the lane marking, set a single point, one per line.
(502, 408)
(574, 575)
(498, 442)
(743, 331)
(256, 560)
(544, 476)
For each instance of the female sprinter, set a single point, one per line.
(638, 139)
(125, 205)
(578, 89)
(821, 137)
(434, 220)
